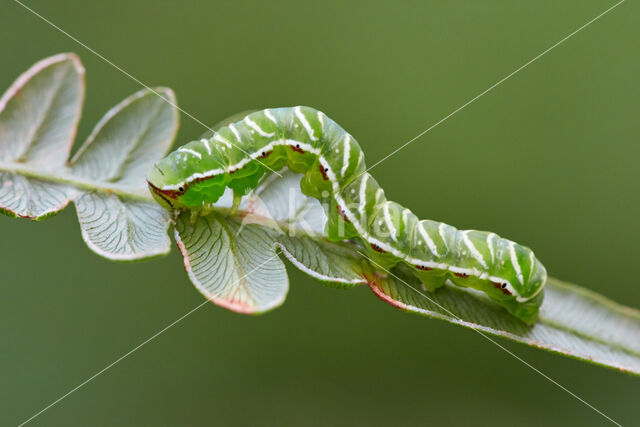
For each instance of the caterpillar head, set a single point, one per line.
(165, 185)
(178, 181)
(191, 178)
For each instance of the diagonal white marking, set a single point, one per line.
(222, 139)
(235, 132)
(205, 141)
(473, 250)
(387, 220)
(427, 239)
(190, 151)
(515, 262)
(257, 128)
(490, 238)
(442, 236)
(305, 123)
(363, 196)
(346, 153)
(269, 116)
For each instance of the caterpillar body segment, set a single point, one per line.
(332, 164)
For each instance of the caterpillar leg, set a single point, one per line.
(237, 199)
(431, 280)
(526, 311)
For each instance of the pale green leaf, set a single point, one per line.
(231, 264)
(40, 112)
(39, 116)
(129, 139)
(573, 321)
(31, 198)
(106, 179)
(122, 230)
(121, 150)
(333, 263)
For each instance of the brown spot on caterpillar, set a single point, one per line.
(341, 213)
(174, 194)
(233, 171)
(423, 268)
(264, 155)
(461, 275)
(323, 171)
(377, 248)
(197, 180)
(164, 194)
(297, 148)
(502, 287)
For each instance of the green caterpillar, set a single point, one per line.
(236, 156)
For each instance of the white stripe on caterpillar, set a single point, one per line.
(405, 214)
(363, 194)
(427, 240)
(269, 116)
(305, 123)
(222, 139)
(205, 141)
(387, 220)
(532, 260)
(490, 237)
(473, 250)
(190, 151)
(235, 132)
(441, 231)
(346, 154)
(321, 120)
(514, 261)
(379, 195)
(253, 125)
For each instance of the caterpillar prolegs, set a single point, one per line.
(332, 163)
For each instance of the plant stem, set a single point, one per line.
(64, 177)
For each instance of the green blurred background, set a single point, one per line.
(549, 158)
